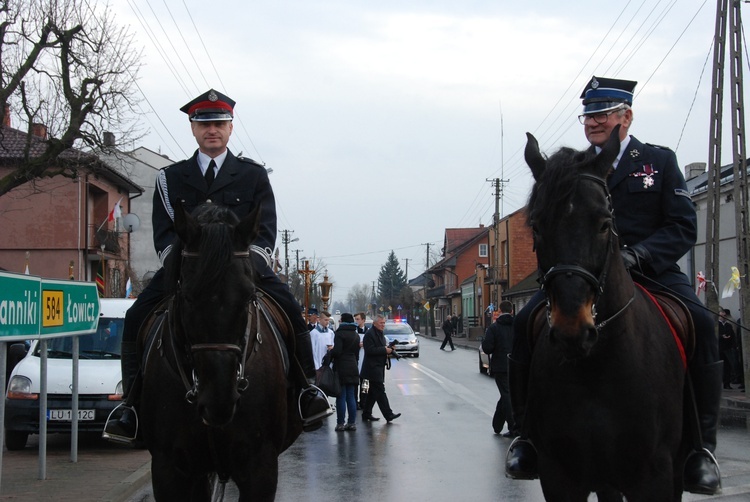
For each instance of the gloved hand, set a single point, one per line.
(634, 257)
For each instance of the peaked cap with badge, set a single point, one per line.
(209, 107)
(604, 94)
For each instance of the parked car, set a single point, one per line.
(99, 380)
(407, 342)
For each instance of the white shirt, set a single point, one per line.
(204, 160)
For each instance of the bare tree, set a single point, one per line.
(358, 297)
(68, 66)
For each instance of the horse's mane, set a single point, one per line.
(552, 193)
(214, 249)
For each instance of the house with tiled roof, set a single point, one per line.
(59, 225)
(455, 291)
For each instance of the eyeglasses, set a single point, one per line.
(599, 118)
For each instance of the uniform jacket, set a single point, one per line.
(653, 208)
(726, 336)
(498, 342)
(240, 185)
(373, 367)
(345, 354)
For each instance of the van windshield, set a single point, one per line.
(103, 344)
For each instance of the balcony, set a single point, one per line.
(108, 238)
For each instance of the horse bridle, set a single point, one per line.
(597, 283)
(242, 382)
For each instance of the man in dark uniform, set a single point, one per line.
(656, 222)
(213, 173)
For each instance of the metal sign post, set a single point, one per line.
(35, 308)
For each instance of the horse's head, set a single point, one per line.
(213, 290)
(570, 213)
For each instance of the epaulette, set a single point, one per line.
(660, 147)
(175, 164)
(248, 160)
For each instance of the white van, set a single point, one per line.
(99, 380)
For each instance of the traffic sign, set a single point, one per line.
(32, 307)
(19, 306)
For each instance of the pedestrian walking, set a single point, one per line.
(448, 330)
(727, 347)
(497, 343)
(373, 370)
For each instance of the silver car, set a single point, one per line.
(405, 338)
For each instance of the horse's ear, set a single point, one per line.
(534, 157)
(609, 153)
(247, 229)
(184, 224)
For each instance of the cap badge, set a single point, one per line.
(212, 96)
(594, 83)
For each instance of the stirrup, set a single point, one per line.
(327, 412)
(705, 452)
(119, 438)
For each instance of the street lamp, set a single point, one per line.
(325, 290)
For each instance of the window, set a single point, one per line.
(483, 250)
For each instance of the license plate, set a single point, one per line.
(67, 415)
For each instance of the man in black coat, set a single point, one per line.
(214, 174)
(497, 343)
(373, 369)
(448, 330)
(657, 224)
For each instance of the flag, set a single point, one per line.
(26, 268)
(732, 285)
(116, 211)
(100, 279)
(128, 289)
(700, 284)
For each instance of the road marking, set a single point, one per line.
(458, 390)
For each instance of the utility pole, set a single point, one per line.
(286, 240)
(407, 269)
(740, 194)
(498, 185)
(740, 187)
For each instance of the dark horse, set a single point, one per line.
(215, 399)
(606, 378)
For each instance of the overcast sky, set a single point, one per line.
(383, 120)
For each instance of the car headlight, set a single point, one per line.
(19, 387)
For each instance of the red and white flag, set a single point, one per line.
(116, 211)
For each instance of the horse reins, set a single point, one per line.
(597, 283)
(242, 382)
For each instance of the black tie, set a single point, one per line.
(210, 173)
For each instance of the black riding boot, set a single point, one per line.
(702, 473)
(313, 403)
(122, 424)
(521, 459)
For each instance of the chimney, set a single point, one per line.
(109, 139)
(39, 130)
(6, 115)
(694, 169)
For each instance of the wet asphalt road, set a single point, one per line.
(442, 447)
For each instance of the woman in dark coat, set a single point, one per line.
(345, 354)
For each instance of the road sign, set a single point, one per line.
(31, 307)
(19, 306)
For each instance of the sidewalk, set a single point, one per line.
(104, 472)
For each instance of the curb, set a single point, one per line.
(126, 488)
